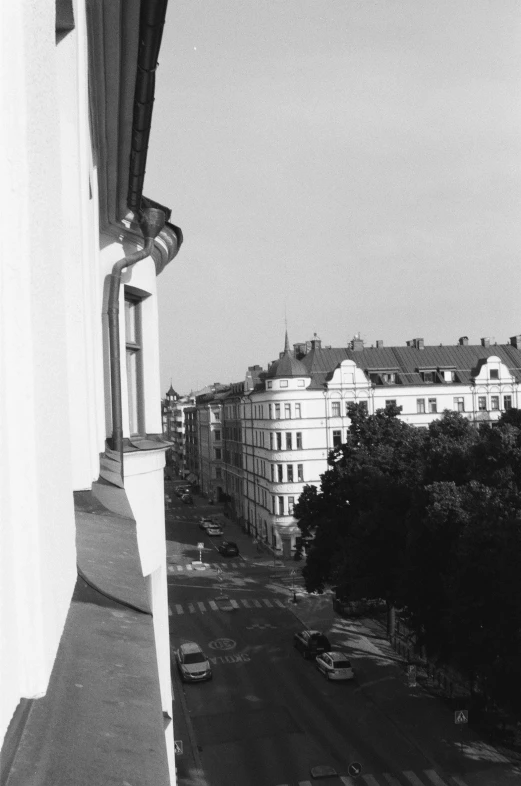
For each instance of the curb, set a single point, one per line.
(191, 735)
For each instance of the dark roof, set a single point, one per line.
(407, 362)
(287, 366)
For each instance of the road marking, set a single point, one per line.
(433, 776)
(234, 603)
(257, 603)
(279, 603)
(189, 567)
(179, 608)
(391, 780)
(267, 602)
(346, 780)
(246, 604)
(304, 783)
(201, 605)
(412, 778)
(213, 605)
(370, 780)
(180, 567)
(459, 781)
(191, 608)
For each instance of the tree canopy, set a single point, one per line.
(430, 520)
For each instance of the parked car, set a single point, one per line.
(363, 607)
(204, 523)
(214, 530)
(192, 663)
(180, 490)
(187, 499)
(335, 666)
(311, 643)
(228, 549)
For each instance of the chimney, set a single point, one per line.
(356, 343)
(417, 343)
(379, 344)
(299, 350)
(463, 341)
(316, 343)
(516, 342)
(485, 342)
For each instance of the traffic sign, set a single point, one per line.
(411, 675)
(461, 716)
(178, 747)
(354, 769)
(200, 545)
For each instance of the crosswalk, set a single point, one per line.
(202, 607)
(182, 568)
(404, 778)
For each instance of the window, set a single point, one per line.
(271, 440)
(217, 415)
(433, 407)
(428, 376)
(281, 506)
(279, 440)
(364, 406)
(298, 436)
(289, 442)
(218, 453)
(337, 438)
(287, 410)
(273, 505)
(297, 411)
(289, 470)
(270, 411)
(300, 471)
(291, 505)
(335, 409)
(277, 411)
(273, 472)
(134, 364)
(389, 379)
(507, 402)
(218, 473)
(217, 435)
(284, 383)
(269, 385)
(459, 404)
(420, 405)
(390, 402)
(494, 402)
(482, 403)
(280, 475)
(494, 374)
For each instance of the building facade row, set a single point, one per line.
(264, 439)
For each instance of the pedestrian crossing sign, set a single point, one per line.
(461, 716)
(178, 747)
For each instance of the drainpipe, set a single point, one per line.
(151, 222)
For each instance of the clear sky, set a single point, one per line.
(355, 164)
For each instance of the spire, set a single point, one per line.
(286, 342)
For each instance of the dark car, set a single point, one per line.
(187, 499)
(311, 643)
(228, 549)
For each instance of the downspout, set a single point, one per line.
(151, 222)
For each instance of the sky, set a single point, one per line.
(339, 166)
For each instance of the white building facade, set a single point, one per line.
(297, 413)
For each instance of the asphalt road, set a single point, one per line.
(268, 716)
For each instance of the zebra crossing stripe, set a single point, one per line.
(458, 781)
(412, 778)
(433, 776)
(391, 780)
(267, 602)
(189, 567)
(257, 604)
(180, 567)
(346, 780)
(191, 608)
(201, 605)
(234, 603)
(213, 605)
(179, 608)
(279, 603)
(246, 604)
(370, 780)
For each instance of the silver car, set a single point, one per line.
(192, 663)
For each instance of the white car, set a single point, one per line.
(335, 666)
(192, 663)
(214, 529)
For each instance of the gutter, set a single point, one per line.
(151, 23)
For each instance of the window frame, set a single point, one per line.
(134, 364)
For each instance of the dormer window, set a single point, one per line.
(389, 379)
(494, 373)
(428, 376)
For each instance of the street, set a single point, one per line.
(268, 716)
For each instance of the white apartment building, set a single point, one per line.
(297, 413)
